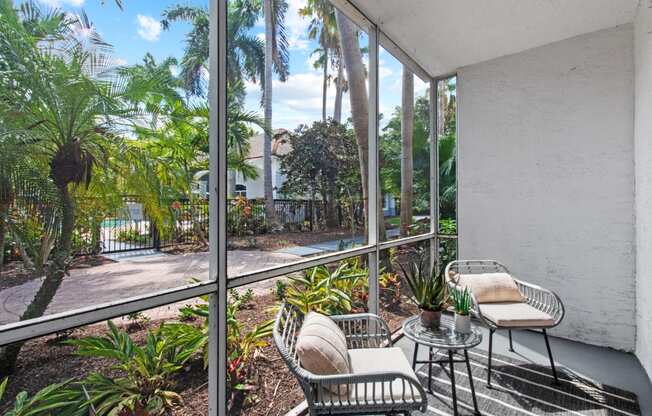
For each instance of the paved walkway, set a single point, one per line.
(133, 276)
(138, 273)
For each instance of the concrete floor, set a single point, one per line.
(604, 365)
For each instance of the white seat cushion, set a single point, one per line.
(516, 315)
(321, 346)
(490, 287)
(382, 360)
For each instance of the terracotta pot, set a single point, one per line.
(462, 324)
(430, 319)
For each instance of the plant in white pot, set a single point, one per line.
(462, 304)
(428, 290)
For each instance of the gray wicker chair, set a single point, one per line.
(365, 393)
(541, 299)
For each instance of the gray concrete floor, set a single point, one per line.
(604, 365)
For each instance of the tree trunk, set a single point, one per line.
(441, 114)
(51, 283)
(339, 90)
(267, 143)
(3, 229)
(407, 135)
(352, 58)
(230, 185)
(324, 86)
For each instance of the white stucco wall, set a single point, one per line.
(546, 176)
(643, 146)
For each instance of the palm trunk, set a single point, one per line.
(407, 133)
(324, 86)
(267, 144)
(3, 229)
(230, 185)
(339, 91)
(441, 114)
(352, 58)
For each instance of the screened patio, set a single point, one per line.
(552, 109)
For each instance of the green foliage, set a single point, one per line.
(323, 162)
(132, 235)
(55, 399)
(428, 287)
(330, 291)
(148, 370)
(461, 300)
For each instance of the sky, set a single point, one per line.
(136, 30)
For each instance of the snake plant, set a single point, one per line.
(461, 300)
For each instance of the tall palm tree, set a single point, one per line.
(245, 54)
(323, 27)
(407, 137)
(276, 57)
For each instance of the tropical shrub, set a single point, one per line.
(56, 399)
(242, 343)
(241, 220)
(330, 291)
(147, 387)
(133, 236)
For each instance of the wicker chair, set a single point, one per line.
(379, 390)
(542, 300)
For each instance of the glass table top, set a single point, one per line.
(445, 337)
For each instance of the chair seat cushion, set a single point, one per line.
(382, 360)
(321, 346)
(490, 287)
(516, 315)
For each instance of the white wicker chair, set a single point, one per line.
(542, 300)
(373, 391)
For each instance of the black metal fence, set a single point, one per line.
(186, 221)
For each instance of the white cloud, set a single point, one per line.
(148, 28)
(297, 26)
(119, 62)
(297, 101)
(59, 3)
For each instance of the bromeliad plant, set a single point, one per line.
(427, 286)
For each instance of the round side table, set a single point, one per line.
(445, 338)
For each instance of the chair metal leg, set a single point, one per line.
(511, 345)
(552, 361)
(491, 342)
(430, 369)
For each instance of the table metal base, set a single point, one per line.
(451, 362)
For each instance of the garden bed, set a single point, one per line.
(48, 360)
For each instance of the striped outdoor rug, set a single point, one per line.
(520, 388)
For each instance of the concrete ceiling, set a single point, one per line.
(444, 35)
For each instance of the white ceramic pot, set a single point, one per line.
(463, 324)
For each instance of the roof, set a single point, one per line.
(280, 144)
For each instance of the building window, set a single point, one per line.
(241, 190)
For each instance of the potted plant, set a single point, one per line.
(462, 305)
(428, 290)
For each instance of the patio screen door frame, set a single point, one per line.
(217, 285)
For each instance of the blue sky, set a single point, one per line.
(136, 30)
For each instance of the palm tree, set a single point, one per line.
(323, 27)
(276, 57)
(245, 55)
(407, 136)
(53, 86)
